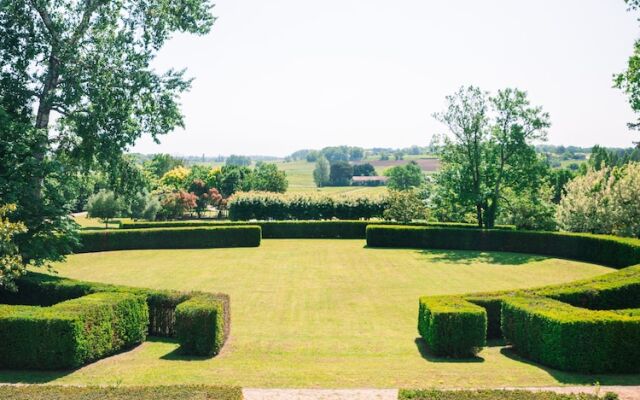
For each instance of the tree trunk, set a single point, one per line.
(479, 215)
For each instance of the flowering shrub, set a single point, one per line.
(176, 204)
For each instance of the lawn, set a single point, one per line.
(320, 313)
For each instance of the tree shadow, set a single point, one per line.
(468, 257)
(422, 347)
(31, 377)
(572, 378)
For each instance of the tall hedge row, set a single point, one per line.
(71, 333)
(265, 206)
(43, 290)
(606, 250)
(170, 238)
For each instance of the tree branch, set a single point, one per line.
(46, 19)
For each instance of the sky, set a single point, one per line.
(277, 76)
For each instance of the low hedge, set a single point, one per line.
(174, 392)
(198, 323)
(71, 333)
(568, 338)
(451, 326)
(406, 394)
(606, 250)
(37, 289)
(170, 238)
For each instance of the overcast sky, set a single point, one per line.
(281, 75)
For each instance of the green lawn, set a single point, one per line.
(320, 313)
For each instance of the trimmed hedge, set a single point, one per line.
(568, 338)
(175, 392)
(71, 333)
(172, 238)
(606, 250)
(36, 289)
(451, 326)
(405, 394)
(198, 326)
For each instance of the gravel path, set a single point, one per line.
(625, 393)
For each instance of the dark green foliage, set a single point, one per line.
(175, 392)
(606, 250)
(45, 290)
(569, 338)
(198, 326)
(171, 238)
(490, 395)
(452, 326)
(340, 173)
(71, 333)
(365, 169)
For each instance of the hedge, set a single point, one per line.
(451, 326)
(198, 323)
(71, 333)
(406, 394)
(568, 338)
(170, 238)
(606, 250)
(36, 289)
(175, 392)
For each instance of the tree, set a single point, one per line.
(629, 80)
(405, 206)
(104, 205)
(238, 161)
(321, 172)
(205, 195)
(341, 173)
(364, 170)
(231, 179)
(178, 203)
(160, 164)
(11, 263)
(405, 177)
(87, 66)
(487, 153)
(144, 206)
(177, 178)
(267, 178)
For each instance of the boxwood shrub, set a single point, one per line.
(406, 394)
(71, 333)
(170, 238)
(452, 326)
(568, 338)
(199, 326)
(606, 250)
(40, 290)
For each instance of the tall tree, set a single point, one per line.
(629, 80)
(76, 84)
(491, 148)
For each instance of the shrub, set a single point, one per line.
(171, 238)
(270, 206)
(104, 205)
(405, 206)
(405, 177)
(11, 263)
(571, 339)
(45, 290)
(198, 326)
(181, 392)
(451, 326)
(606, 250)
(405, 394)
(71, 333)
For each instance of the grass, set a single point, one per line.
(120, 393)
(320, 313)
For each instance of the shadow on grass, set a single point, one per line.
(424, 352)
(571, 378)
(176, 354)
(468, 257)
(31, 377)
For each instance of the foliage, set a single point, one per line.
(231, 179)
(365, 169)
(405, 206)
(198, 326)
(104, 205)
(321, 172)
(490, 148)
(530, 211)
(160, 164)
(182, 392)
(265, 206)
(85, 65)
(603, 201)
(171, 238)
(205, 195)
(238, 161)
(451, 326)
(267, 178)
(177, 204)
(406, 394)
(11, 264)
(558, 179)
(144, 206)
(71, 333)
(598, 249)
(177, 178)
(629, 80)
(340, 173)
(405, 177)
